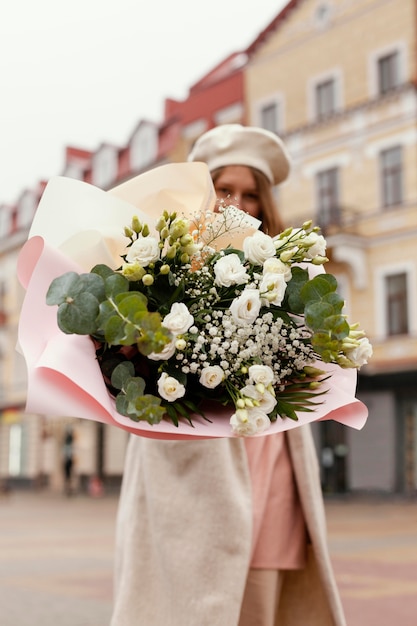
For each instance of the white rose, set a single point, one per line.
(261, 374)
(272, 288)
(245, 309)
(169, 388)
(259, 247)
(144, 250)
(230, 271)
(360, 355)
(276, 266)
(211, 376)
(165, 354)
(266, 400)
(179, 319)
(317, 245)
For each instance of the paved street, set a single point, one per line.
(56, 558)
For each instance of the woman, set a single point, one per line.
(236, 536)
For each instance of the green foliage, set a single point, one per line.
(100, 304)
(323, 315)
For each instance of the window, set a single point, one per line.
(388, 72)
(269, 117)
(325, 98)
(391, 176)
(104, 166)
(328, 211)
(396, 304)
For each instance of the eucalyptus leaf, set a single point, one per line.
(122, 373)
(79, 316)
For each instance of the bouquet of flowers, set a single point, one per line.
(206, 314)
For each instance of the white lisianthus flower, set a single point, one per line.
(272, 288)
(165, 354)
(316, 245)
(230, 271)
(169, 388)
(276, 266)
(260, 419)
(241, 424)
(144, 250)
(265, 400)
(360, 354)
(247, 422)
(179, 319)
(261, 374)
(211, 376)
(245, 309)
(259, 247)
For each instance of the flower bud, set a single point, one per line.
(309, 370)
(164, 269)
(180, 344)
(145, 231)
(260, 387)
(186, 240)
(136, 225)
(148, 280)
(242, 415)
(161, 224)
(240, 403)
(319, 260)
(287, 255)
(171, 252)
(128, 232)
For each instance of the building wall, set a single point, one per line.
(343, 40)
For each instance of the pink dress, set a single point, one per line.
(279, 537)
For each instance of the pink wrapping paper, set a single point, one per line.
(64, 378)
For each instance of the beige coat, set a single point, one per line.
(184, 537)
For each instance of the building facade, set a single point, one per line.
(337, 80)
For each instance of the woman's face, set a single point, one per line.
(236, 185)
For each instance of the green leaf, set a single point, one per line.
(116, 284)
(60, 288)
(318, 287)
(79, 316)
(122, 373)
(102, 270)
(293, 292)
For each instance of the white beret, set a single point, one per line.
(233, 144)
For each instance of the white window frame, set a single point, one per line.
(335, 74)
(277, 99)
(383, 204)
(26, 208)
(232, 114)
(193, 130)
(373, 65)
(143, 146)
(318, 208)
(381, 297)
(104, 166)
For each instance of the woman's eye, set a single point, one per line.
(223, 191)
(253, 197)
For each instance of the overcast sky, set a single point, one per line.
(86, 71)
